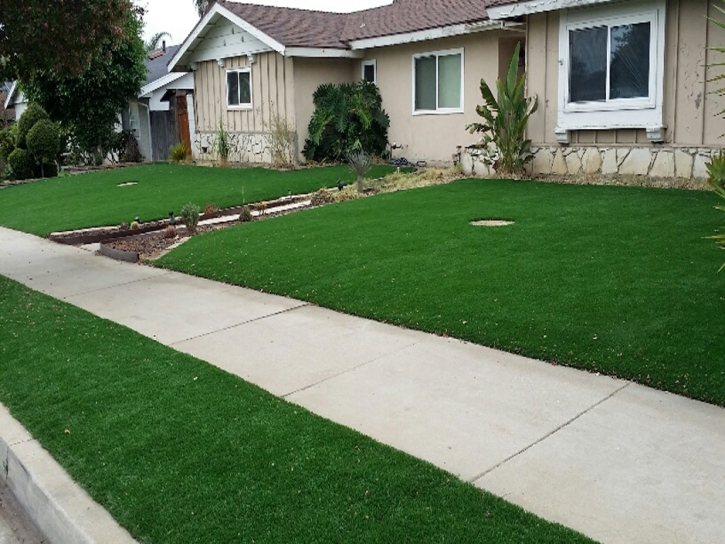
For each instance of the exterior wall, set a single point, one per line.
(310, 73)
(435, 137)
(693, 128)
(140, 124)
(272, 98)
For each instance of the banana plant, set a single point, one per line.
(503, 130)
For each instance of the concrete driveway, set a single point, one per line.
(614, 460)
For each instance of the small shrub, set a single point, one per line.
(135, 225)
(348, 193)
(22, 164)
(128, 149)
(43, 141)
(211, 208)
(170, 232)
(246, 215)
(190, 217)
(224, 144)
(322, 197)
(30, 116)
(359, 162)
(282, 142)
(179, 152)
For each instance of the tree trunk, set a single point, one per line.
(42, 170)
(359, 183)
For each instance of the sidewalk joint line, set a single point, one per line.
(260, 318)
(166, 273)
(305, 388)
(547, 435)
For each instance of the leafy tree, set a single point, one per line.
(153, 43)
(32, 114)
(504, 127)
(59, 36)
(89, 104)
(202, 6)
(348, 117)
(44, 143)
(22, 163)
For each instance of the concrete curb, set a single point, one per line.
(62, 511)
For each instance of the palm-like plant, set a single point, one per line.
(202, 6)
(359, 162)
(504, 127)
(347, 118)
(153, 43)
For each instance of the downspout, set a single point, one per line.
(151, 147)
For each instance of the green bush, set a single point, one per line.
(43, 141)
(190, 217)
(504, 128)
(347, 118)
(30, 116)
(22, 164)
(179, 152)
(8, 136)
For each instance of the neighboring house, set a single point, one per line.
(15, 100)
(622, 85)
(7, 110)
(163, 113)
(255, 64)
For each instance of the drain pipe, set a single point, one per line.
(151, 147)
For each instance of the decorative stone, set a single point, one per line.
(481, 169)
(683, 164)
(558, 167)
(542, 162)
(609, 162)
(466, 164)
(622, 153)
(591, 161)
(636, 163)
(700, 169)
(664, 165)
(573, 163)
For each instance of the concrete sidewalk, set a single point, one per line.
(614, 460)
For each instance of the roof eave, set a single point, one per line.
(537, 6)
(218, 9)
(428, 34)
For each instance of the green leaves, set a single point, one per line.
(347, 118)
(503, 141)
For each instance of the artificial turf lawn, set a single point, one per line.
(616, 280)
(180, 451)
(95, 199)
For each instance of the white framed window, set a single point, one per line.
(438, 82)
(239, 89)
(370, 71)
(611, 68)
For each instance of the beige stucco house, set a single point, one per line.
(622, 84)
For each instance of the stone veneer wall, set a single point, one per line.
(251, 147)
(655, 162)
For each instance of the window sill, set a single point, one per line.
(437, 112)
(240, 108)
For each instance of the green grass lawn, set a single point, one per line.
(180, 451)
(615, 280)
(95, 199)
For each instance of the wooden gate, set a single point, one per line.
(183, 115)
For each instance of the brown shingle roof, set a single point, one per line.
(404, 16)
(306, 28)
(294, 27)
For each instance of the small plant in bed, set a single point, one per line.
(190, 217)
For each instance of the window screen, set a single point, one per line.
(425, 83)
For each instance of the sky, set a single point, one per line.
(178, 17)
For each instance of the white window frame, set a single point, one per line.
(613, 114)
(437, 54)
(239, 106)
(374, 64)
